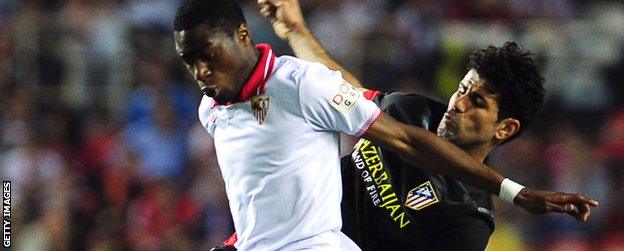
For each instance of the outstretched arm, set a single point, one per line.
(431, 153)
(417, 145)
(289, 25)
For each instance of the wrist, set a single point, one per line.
(298, 32)
(299, 28)
(509, 190)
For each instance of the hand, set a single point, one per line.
(541, 202)
(285, 15)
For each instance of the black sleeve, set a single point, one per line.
(412, 109)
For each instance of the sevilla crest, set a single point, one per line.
(260, 107)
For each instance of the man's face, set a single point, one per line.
(472, 114)
(215, 59)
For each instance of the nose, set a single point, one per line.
(459, 106)
(201, 70)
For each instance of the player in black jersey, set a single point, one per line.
(391, 205)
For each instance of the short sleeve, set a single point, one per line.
(330, 103)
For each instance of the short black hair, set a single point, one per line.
(223, 15)
(510, 72)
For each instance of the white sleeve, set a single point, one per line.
(330, 103)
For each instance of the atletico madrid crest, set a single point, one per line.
(260, 107)
(421, 197)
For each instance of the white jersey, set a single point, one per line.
(278, 153)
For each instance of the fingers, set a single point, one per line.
(265, 10)
(268, 12)
(561, 208)
(581, 213)
(585, 200)
(584, 203)
(575, 205)
(270, 2)
(567, 208)
(574, 198)
(584, 212)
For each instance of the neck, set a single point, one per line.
(251, 61)
(478, 152)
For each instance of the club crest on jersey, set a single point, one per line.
(421, 197)
(260, 107)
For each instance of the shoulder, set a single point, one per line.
(304, 79)
(301, 70)
(408, 99)
(411, 108)
(206, 107)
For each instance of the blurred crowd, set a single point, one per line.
(100, 138)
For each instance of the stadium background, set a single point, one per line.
(100, 137)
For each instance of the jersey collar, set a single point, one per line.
(256, 84)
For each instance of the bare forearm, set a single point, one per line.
(429, 152)
(439, 156)
(305, 46)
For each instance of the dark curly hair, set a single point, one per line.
(510, 72)
(223, 15)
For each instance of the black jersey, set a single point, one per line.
(390, 205)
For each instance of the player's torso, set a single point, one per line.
(280, 173)
(394, 204)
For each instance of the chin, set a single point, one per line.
(222, 98)
(446, 135)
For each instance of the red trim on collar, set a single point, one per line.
(231, 241)
(256, 84)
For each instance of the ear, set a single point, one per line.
(243, 34)
(507, 128)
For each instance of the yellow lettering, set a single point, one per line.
(403, 222)
(382, 177)
(384, 188)
(394, 208)
(362, 144)
(373, 159)
(367, 149)
(388, 202)
(367, 152)
(392, 195)
(376, 168)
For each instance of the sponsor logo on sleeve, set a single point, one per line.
(345, 98)
(421, 197)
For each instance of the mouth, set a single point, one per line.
(212, 91)
(449, 120)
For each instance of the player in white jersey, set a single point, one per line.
(276, 123)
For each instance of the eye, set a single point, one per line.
(207, 57)
(462, 89)
(480, 103)
(188, 60)
(478, 100)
